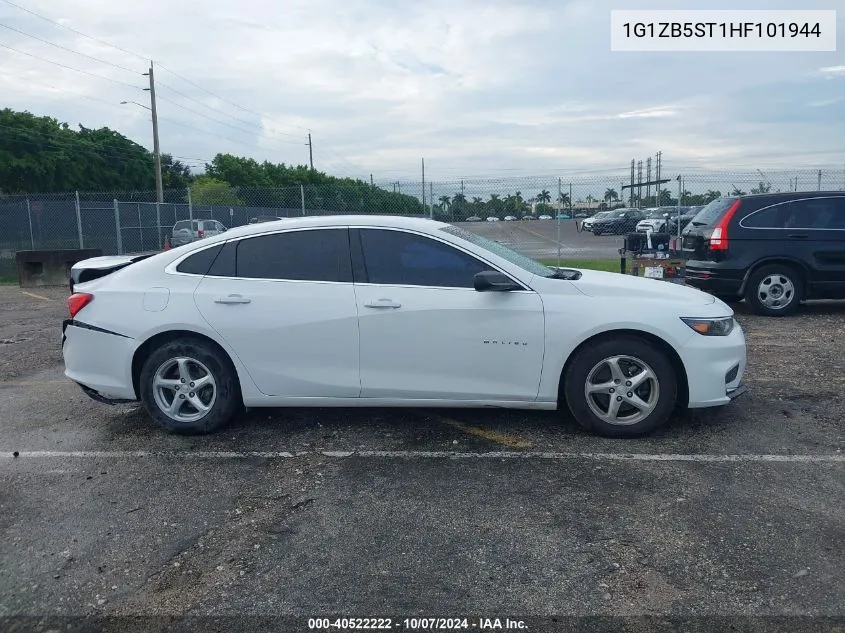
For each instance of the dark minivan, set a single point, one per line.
(774, 250)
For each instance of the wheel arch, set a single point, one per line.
(157, 340)
(796, 264)
(653, 339)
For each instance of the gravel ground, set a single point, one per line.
(275, 517)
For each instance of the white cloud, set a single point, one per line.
(476, 86)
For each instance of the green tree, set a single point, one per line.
(209, 190)
(610, 195)
(174, 174)
(762, 188)
(563, 199)
(544, 197)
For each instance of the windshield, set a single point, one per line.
(517, 259)
(654, 214)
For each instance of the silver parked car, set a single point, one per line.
(187, 231)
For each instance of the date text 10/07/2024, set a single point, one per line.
(721, 29)
(416, 624)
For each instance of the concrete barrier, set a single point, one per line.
(49, 268)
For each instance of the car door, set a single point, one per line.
(426, 333)
(285, 303)
(818, 224)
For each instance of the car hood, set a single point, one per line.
(596, 283)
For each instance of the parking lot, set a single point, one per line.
(364, 513)
(539, 238)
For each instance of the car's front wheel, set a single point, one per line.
(621, 387)
(189, 386)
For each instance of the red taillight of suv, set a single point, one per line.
(77, 301)
(200, 234)
(719, 237)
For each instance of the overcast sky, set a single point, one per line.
(480, 88)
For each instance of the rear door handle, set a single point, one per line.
(383, 303)
(232, 299)
(797, 236)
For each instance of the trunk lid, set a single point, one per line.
(96, 267)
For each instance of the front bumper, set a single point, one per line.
(715, 368)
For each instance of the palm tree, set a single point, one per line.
(444, 201)
(544, 196)
(610, 194)
(563, 199)
(458, 198)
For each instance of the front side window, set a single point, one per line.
(308, 255)
(400, 258)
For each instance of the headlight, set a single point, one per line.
(711, 327)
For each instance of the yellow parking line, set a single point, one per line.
(490, 436)
(36, 382)
(35, 296)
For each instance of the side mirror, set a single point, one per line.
(491, 280)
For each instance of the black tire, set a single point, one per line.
(227, 397)
(590, 356)
(780, 278)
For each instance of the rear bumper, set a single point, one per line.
(709, 277)
(99, 361)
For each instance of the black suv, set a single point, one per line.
(619, 221)
(775, 250)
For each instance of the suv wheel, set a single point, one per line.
(774, 290)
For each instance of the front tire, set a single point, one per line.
(774, 290)
(622, 387)
(188, 386)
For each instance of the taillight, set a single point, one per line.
(201, 234)
(719, 237)
(77, 301)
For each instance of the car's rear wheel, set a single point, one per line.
(189, 386)
(774, 290)
(621, 387)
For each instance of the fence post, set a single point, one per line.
(117, 227)
(190, 206)
(158, 223)
(140, 227)
(302, 195)
(79, 222)
(29, 216)
(820, 179)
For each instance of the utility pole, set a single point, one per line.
(423, 183)
(632, 183)
(371, 181)
(639, 183)
(156, 148)
(310, 152)
(431, 200)
(648, 179)
(657, 176)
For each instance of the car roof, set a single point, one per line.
(789, 194)
(384, 221)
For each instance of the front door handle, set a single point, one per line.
(232, 299)
(383, 303)
(797, 236)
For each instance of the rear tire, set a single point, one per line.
(622, 387)
(774, 290)
(189, 387)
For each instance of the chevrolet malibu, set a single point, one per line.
(380, 311)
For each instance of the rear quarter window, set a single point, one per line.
(711, 213)
(199, 263)
(182, 224)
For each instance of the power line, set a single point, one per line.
(84, 72)
(65, 26)
(234, 127)
(70, 50)
(260, 127)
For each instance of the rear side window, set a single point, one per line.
(308, 255)
(711, 213)
(199, 263)
(779, 216)
(182, 224)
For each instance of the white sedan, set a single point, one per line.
(372, 311)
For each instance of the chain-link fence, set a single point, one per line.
(130, 222)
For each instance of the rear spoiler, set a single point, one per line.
(96, 267)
